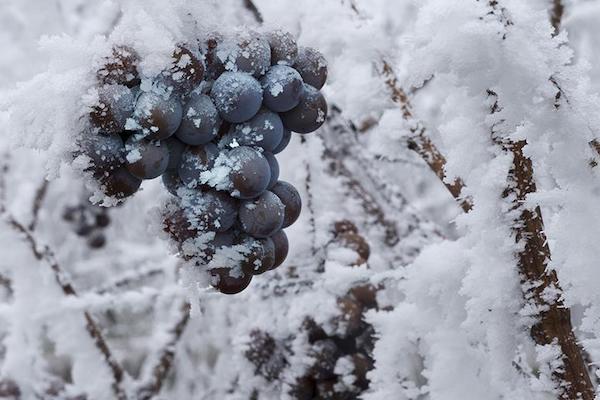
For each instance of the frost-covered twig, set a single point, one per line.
(554, 323)
(420, 142)
(309, 202)
(38, 200)
(129, 280)
(167, 355)
(45, 254)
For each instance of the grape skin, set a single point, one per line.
(146, 159)
(309, 114)
(282, 88)
(200, 123)
(263, 216)
(157, 117)
(291, 200)
(250, 172)
(237, 96)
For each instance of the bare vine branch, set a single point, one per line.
(46, 255)
(420, 142)
(167, 355)
(38, 200)
(554, 321)
(556, 15)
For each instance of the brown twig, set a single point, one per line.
(310, 202)
(556, 15)
(6, 283)
(420, 142)
(38, 200)
(167, 355)
(250, 6)
(553, 325)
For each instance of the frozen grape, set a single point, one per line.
(250, 172)
(157, 116)
(264, 130)
(274, 165)
(312, 66)
(261, 257)
(120, 184)
(97, 240)
(247, 52)
(146, 159)
(196, 160)
(210, 210)
(263, 216)
(105, 152)
(282, 88)
(237, 96)
(200, 123)
(115, 105)
(120, 68)
(185, 73)
(172, 181)
(281, 247)
(309, 114)
(176, 148)
(224, 281)
(177, 225)
(284, 49)
(291, 200)
(285, 140)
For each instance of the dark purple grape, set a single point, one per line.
(237, 96)
(172, 181)
(259, 254)
(200, 123)
(120, 68)
(157, 116)
(309, 115)
(229, 281)
(146, 159)
(312, 66)
(221, 240)
(176, 223)
(102, 219)
(185, 73)
(250, 172)
(105, 152)
(282, 88)
(120, 184)
(83, 229)
(196, 160)
(246, 52)
(280, 241)
(285, 140)
(291, 200)
(263, 216)
(97, 240)
(284, 49)
(176, 148)
(274, 165)
(264, 130)
(114, 107)
(210, 210)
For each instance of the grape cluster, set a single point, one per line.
(89, 222)
(340, 358)
(210, 125)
